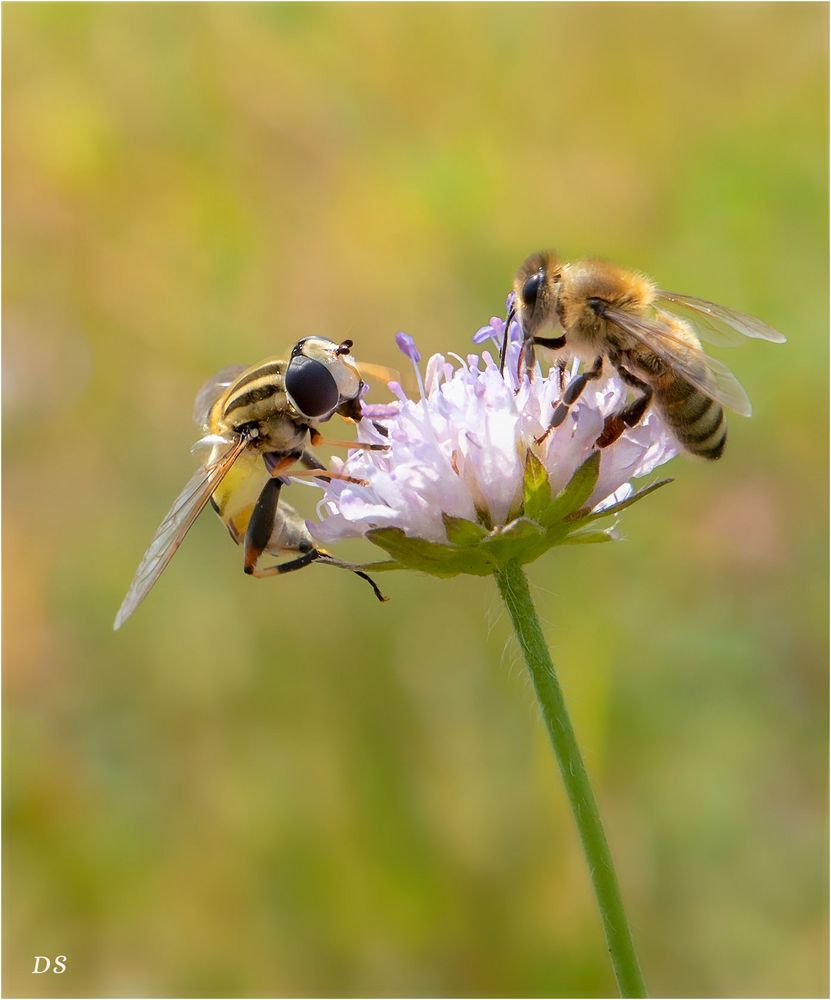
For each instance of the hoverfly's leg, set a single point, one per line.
(631, 415)
(571, 395)
(309, 460)
(278, 461)
(317, 438)
(260, 529)
(286, 567)
(322, 556)
(315, 469)
(337, 443)
(259, 532)
(329, 560)
(261, 524)
(325, 474)
(279, 464)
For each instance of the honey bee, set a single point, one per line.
(598, 311)
(257, 420)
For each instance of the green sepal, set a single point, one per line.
(575, 494)
(472, 548)
(590, 536)
(430, 557)
(615, 507)
(536, 488)
(462, 532)
(522, 539)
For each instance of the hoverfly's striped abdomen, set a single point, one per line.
(696, 420)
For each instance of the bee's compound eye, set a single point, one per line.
(531, 288)
(311, 386)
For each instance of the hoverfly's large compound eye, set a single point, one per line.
(312, 386)
(531, 288)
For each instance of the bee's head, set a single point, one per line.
(536, 292)
(322, 377)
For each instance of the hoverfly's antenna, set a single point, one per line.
(344, 348)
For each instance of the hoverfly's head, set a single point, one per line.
(322, 377)
(536, 292)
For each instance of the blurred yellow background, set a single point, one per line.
(282, 787)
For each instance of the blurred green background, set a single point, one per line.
(282, 787)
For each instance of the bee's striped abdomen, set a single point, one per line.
(696, 420)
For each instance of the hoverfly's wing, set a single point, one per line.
(381, 372)
(212, 390)
(694, 366)
(718, 324)
(186, 508)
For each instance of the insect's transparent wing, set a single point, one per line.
(718, 324)
(178, 520)
(710, 376)
(381, 372)
(212, 390)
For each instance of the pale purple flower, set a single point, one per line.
(461, 449)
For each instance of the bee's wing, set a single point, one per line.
(716, 323)
(710, 376)
(212, 390)
(175, 526)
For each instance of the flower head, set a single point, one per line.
(470, 478)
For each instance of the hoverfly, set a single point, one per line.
(256, 421)
(598, 311)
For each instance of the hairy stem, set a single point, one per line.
(513, 587)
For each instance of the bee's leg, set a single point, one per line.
(528, 354)
(552, 343)
(571, 395)
(503, 354)
(631, 415)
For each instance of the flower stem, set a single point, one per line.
(514, 589)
